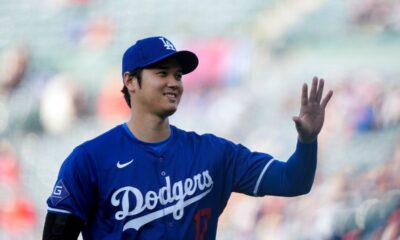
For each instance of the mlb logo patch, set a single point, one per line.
(60, 192)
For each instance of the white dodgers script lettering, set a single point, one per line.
(176, 194)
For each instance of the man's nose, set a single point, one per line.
(173, 82)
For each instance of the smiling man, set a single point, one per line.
(147, 179)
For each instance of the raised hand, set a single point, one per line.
(312, 111)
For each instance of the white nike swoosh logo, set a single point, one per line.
(122, 165)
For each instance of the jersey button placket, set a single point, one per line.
(161, 161)
(161, 166)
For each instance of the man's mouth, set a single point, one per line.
(171, 96)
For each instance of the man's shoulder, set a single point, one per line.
(108, 138)
(195, 136)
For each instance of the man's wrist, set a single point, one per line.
(305, 140)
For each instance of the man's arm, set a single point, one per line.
(62, 227)
(292, 178)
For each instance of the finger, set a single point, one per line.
(326, 99)
(304, 94)
(320, 90)
(313, 91)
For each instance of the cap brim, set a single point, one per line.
(188, 60)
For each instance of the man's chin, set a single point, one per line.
(168, 112)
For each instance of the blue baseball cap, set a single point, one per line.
(148, 51)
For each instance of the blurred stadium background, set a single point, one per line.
(60, 80)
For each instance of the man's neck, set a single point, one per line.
(149, 128)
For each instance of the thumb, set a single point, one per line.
(296, 120)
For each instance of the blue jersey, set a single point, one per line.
(127, 189)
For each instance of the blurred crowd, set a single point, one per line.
(18, 215)
(49, 101)
(348, 205)
(376, 15)
(364, 103)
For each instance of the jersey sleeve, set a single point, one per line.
(293, 177)
(245, 168)
(259, 174)
(75, 189)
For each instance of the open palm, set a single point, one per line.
(312, 111)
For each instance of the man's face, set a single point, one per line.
(161, 89)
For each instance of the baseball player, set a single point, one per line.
(147, 179)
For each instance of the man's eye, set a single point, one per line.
(162, 73)
(178, 76)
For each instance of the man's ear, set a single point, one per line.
(130, 82)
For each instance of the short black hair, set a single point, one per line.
(138, 75)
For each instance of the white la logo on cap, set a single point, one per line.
(167, 44)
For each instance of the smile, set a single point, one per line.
(171, 96)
